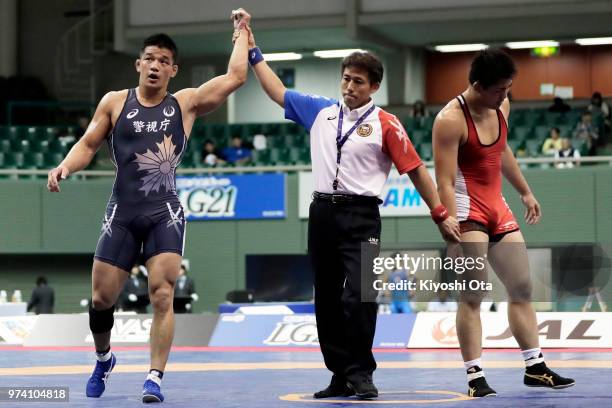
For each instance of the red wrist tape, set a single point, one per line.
(439, 214)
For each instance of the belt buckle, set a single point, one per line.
(334, 200)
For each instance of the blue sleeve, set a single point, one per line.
(303, 109)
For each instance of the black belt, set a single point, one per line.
(346, 198)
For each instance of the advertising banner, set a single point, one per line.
(238, 330)
(233, 197)
(433, 330)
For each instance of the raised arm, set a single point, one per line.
(270, 82)
(210, 95)
(85, 149)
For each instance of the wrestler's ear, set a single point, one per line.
(137, 65)
(375, 87)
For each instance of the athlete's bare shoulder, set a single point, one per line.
(113, 98)
(450, 113)
(450, 122)
(112, 103)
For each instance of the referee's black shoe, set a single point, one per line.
(363, 387)
(337, 388)
(479, 388)
(539, 375)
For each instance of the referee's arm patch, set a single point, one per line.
(397, 145)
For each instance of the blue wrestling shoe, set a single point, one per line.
(151, 392)
(97, 382)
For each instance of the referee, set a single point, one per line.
(353, 144)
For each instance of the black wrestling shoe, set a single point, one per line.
(336, 388)
(479, 388)
(539, 375)
(363, 387)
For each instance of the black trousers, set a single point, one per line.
(343, 239)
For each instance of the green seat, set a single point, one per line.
(418, 136)
(280, 155)
(521, 132)
(34, 159)
(291, 128)
(514, 145)
(52, 159)
(16, 133)
(566, 130)
(292, 140)
(5, 146)
(217, 131)
(50, 133)
(571, 118)
(237, 130)
(277, 141)
(18, 159)
(534, 147)
(253, 129)
(34, 133)
(553, 118)
(2, 160)
(271, 129)
(3, 132)
(409, 123)
(542, 132)
(425, 151)
(304, 156)
(261, 157)
(57, 146)
(427, 122)
(22, 146)
(517, 118)
(531, 118)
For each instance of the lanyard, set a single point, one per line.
(340, 140)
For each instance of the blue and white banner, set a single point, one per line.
(400, 197)
(299, 330)
(235, 197)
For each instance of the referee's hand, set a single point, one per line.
(449, 228)
(54, 177)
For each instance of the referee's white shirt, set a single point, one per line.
(368, 153)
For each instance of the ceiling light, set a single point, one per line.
(461, 47)
(594, 41)
(517, 45)
(336, 53)
(282, 56)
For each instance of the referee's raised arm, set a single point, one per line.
(269, 81)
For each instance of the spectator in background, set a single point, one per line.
(400, 299)
(587, 132)
(599, 105)
(210, 154)
(236, 153)
(567, 151)
(135, 295)
(184, 292)
(419, 110)
(559, 106)
(43, 297)
(553, 144)
(442, 304)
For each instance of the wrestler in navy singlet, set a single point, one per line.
(144, 211)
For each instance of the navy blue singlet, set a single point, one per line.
(144, 212)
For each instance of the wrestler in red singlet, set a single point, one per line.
(478, 186)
